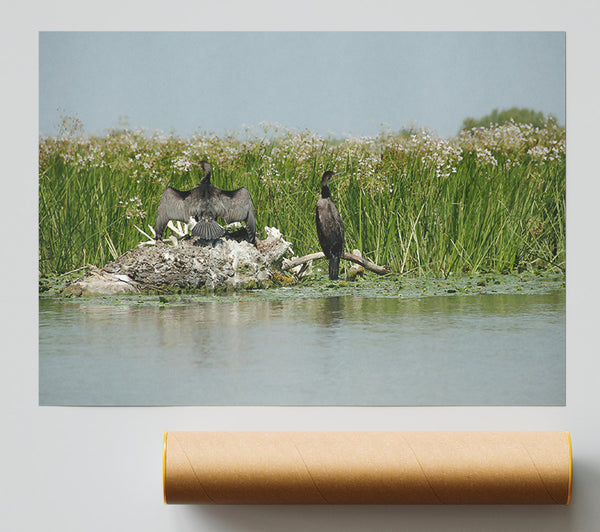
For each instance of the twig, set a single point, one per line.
(179, 230)
(150, 239)
(380, 270)
(78, 269)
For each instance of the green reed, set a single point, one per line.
(492, 200)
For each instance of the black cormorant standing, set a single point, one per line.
(330, 227)
(205, 203)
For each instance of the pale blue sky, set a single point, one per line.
(329, 82)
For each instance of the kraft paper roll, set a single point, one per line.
(367, 467)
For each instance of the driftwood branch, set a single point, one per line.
(78, 269)
(292, 263)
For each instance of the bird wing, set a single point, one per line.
(173, 204)
(233, 205)
(330, 227)
(236, 206)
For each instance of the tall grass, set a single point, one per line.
(491, 199)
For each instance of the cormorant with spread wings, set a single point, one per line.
(205, 203)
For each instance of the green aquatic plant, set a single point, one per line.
(489, 200)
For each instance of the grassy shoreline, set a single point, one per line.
(489, 200)
(318, 285)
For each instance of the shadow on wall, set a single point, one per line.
(383, 518)
(488, 518)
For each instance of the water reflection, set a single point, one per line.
(476, 350)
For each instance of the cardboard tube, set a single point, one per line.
(367, 467)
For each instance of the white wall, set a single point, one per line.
(98, 469)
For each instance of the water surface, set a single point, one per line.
(349, 350)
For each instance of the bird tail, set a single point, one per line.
(161, 223)
(208, 230)
(334, 267)
(251, 225)
(162, 217)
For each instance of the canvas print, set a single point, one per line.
(302, 218)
